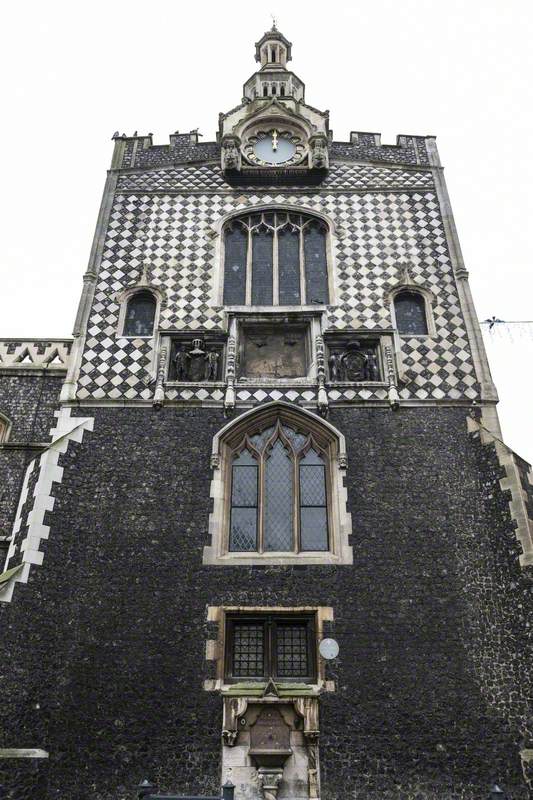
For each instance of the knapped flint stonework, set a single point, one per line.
(430, 617)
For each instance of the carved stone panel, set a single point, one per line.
(270, 734)
(196, 360)
(274, 352)
(353, 360)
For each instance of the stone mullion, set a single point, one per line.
(249, 267)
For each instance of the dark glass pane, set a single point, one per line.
(313, 528)
(410, 311)
(316, 272)
(292, 651)
(235, 266)
(244, 489)
(248, 650)
(312, 486)
(140, 315)
(262, 268)
(243, 530)
(278, 500)
(289, 267)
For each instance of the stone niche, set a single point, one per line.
(353, 360)
(196, 359)
(272, 352)
(270, 747)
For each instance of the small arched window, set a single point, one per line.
(410, 313)
(274, 88)
(282, 90)
(140, 315)
(275, 258)
(274, 54)
(265, 90)
(279, 489)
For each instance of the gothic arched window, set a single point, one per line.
(140, 314)
(275, 258)
(279, 489)
(410, 313)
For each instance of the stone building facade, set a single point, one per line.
(258, 521)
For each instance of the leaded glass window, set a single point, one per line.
(410, 311)
(270, 646)
(275, 258)
(279, 492)
(140, 315)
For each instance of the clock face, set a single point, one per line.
(274, 148)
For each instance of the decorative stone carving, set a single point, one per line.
(229, 398)
(269, 781)
(394, 397)
(322, 399)
(353, 361)
(230, 153)
(267, 724)
(319, 152)
(159, 394)
(196, 362)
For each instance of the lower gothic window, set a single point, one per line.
(259, 647)
(279, 492)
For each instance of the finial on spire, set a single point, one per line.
(274, 23)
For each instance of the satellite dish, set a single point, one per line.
(328, 649)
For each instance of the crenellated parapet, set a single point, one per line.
(30, 354)
(364, 146)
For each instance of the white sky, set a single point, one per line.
(75, 72)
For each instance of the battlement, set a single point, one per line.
(30, 354)
(367, 146)
(140, 151)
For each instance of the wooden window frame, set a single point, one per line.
(270, 623)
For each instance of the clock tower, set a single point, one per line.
(273, 136)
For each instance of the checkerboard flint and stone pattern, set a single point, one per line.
(384, 222)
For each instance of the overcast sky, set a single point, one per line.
(74, 72)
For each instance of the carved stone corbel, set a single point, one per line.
(234, 709)
(231, 154)
(319, 151)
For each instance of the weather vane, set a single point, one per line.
(274, 25)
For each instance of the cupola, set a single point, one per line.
(273, 49)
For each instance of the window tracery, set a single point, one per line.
(279, 491)
(275, 258)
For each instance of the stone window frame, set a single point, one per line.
(124, 299)
(429, 301)
(333, 234)
(323, 617)
(217, 552)
(5, 428)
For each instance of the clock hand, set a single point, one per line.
(274, 140)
